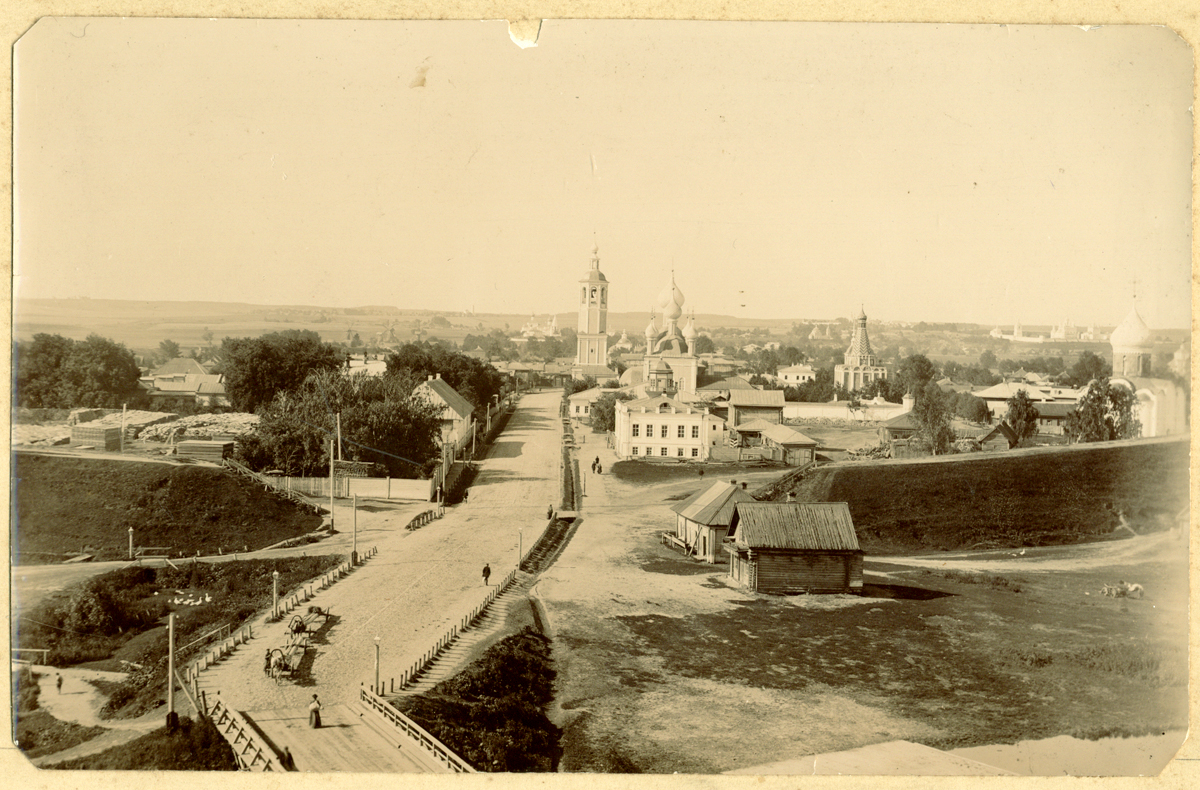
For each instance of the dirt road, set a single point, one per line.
(419, 583)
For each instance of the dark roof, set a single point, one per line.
(1005, 430)
(449, 396)
(714, 505)
(814, 526)
(1060, 410)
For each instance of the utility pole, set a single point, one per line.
(172, 716)
(339, 429)
(123, 405)
(131, 543)
(331, 483)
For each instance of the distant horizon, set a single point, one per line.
(560, 314)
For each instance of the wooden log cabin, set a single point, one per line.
(794, 547)
(702, 520)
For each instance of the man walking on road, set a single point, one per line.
(487, 573)
(58, 683)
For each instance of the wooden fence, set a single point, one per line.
(421, 519)
(415, 731)
(428, 657)
(252, 754)
(373, 487)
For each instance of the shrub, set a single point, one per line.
(492, 713)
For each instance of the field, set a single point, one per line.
(665, 665)
(75, 504)
(1030, 498)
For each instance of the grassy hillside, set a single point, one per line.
(1019, 500)
(69, 504)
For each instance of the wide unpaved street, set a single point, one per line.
(665, 665)
(420, 583)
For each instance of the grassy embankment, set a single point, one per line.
(193, 746)
(493, 713)
(118, 620)
(1039, 499)
(67, 505)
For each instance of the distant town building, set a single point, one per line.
(794, 375)
(859, 365)
(532, 330)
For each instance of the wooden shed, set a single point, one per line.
(794, 547)
(702, 520)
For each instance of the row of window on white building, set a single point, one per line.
(664, 451)
(665, 431)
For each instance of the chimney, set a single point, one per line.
(430, 377)
(732, 482)
(743, 486)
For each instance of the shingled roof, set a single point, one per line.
(712, 506)
(812, 526)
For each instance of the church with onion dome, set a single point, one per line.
(670, 363)
(1160, 405)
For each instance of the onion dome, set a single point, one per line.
(689, 331)
(862, 315)
(594, 275)
(670, 301)
(1132, 334)
(651, 330)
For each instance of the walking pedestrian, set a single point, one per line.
(58, 682)
(599, 469)
(466, 495)
(288, 762)
(487, 574)
(267, 662)
(314, 713)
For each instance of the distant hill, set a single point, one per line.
(143, 324)
(1044, 497)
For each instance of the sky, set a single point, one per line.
(986, 174)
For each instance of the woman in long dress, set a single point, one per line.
(314, 713)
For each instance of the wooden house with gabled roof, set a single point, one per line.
(794, 547)
(702, 520)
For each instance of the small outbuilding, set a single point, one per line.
(702, 520)
(794, 547)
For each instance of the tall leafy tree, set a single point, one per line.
(915, 372)
(40, 371)
(604, 411)
(381, 423)
(257, 368)
(1089, 368)
(57, 372)
(1022, 415)
(931, 410)
(168, 349)
(1104, 413)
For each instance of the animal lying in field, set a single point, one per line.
(1123, 589)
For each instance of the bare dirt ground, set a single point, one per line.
(665, 666)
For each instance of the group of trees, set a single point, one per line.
(256, 368)
(475, 380)
(380, 423)
(56, 372)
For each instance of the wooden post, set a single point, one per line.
(331, 482)
(172, 717)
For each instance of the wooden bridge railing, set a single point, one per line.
(415, 731)
(252, 753)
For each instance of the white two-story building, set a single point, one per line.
(663, 428)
